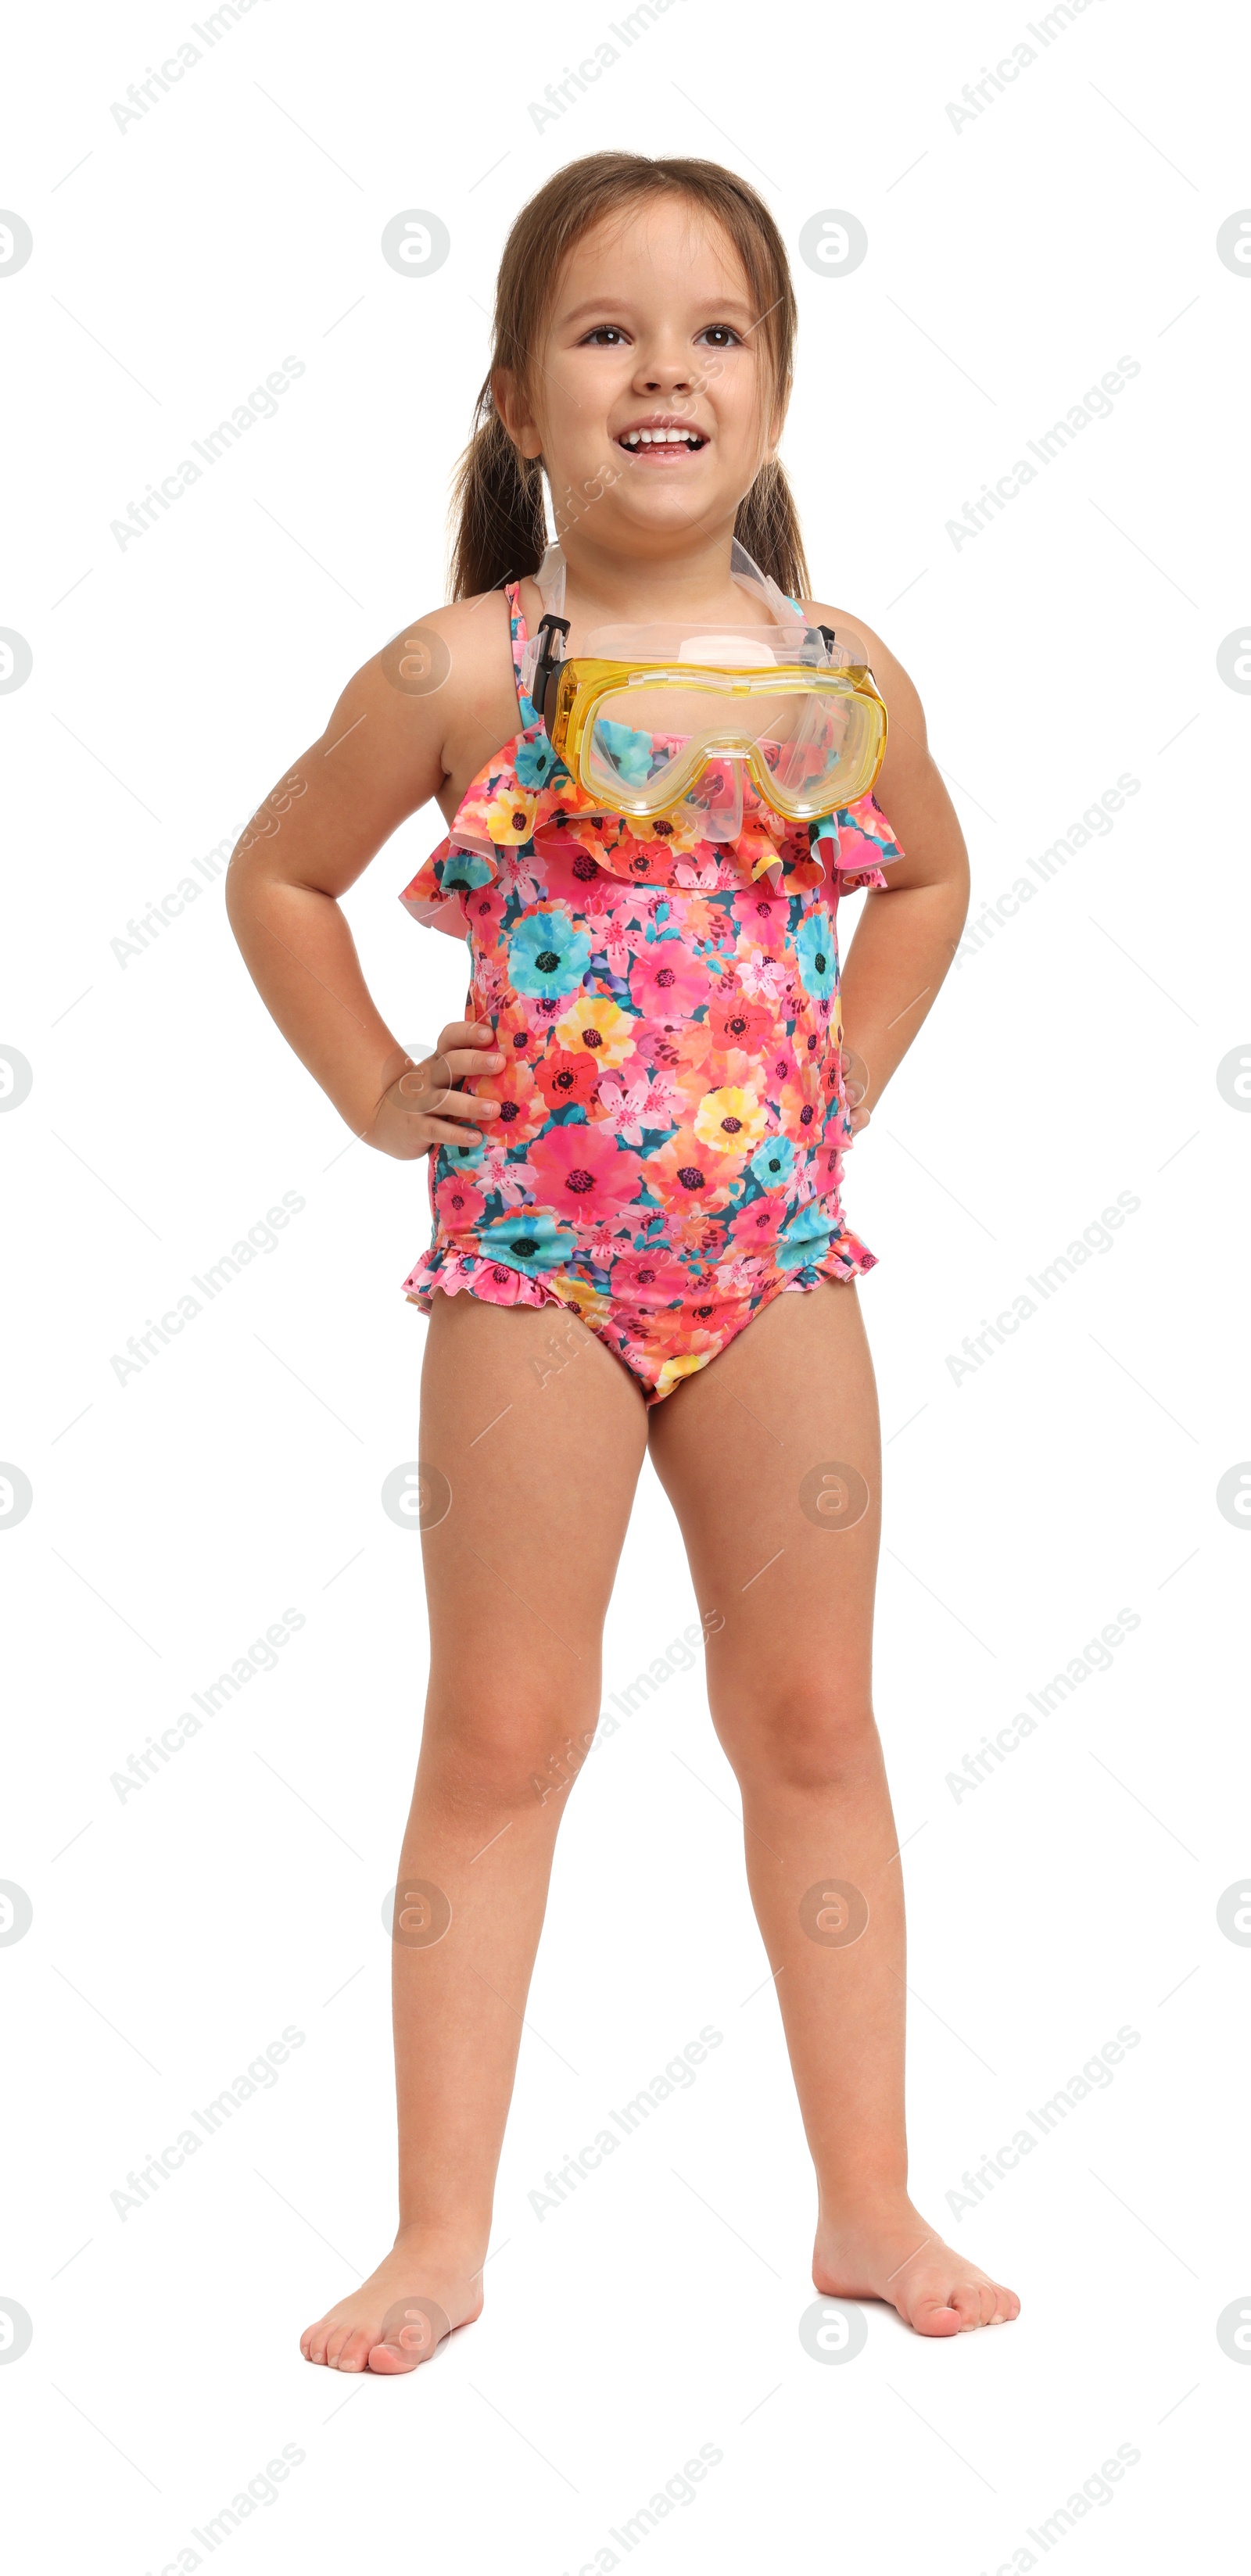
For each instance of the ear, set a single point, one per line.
(515, 413)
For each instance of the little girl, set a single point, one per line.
(635, 1139)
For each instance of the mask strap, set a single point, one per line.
(538, 648)
(750, 576)
(551, 580)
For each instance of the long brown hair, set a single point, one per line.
(500, 522)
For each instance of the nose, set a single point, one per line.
(664, 371)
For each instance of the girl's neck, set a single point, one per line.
(689, 579)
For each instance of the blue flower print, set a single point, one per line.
(773, 1162)
(536, 763)
(818, 955)
(605, 958)
(547, 957)
(804, 1238)
(530, 1240)
(461, 1158)
(463, 869)
(630, 753)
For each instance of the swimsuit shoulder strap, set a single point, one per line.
(520, 641)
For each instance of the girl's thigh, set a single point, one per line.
(771, 1457)
(532, 1436)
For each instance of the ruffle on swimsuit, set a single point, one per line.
(673, 1113)
(523, 798)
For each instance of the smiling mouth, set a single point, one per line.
(662, 442)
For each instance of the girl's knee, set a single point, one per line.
(506, 1757)
(808, 1733)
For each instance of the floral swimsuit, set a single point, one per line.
(673, 1115)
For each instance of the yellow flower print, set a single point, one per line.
(596, 1027)
(509, 818)
(678, 836)
(673, 1371)
(731, 1121)
(590, 1302)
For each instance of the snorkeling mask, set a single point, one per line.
(663, 721)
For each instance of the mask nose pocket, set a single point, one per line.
(715, 802)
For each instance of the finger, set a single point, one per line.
(442, 1132)
(466, 1067)
(457, 1104)
(431, 1086)
(425, 1087)
(466, 1033)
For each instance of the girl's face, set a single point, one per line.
(652, 331)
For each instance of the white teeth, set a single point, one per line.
(661, 438)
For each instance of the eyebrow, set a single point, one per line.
(601, 304)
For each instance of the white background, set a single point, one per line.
(1011, 262)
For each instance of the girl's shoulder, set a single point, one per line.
(909, 786)
(447, 679)
(847, 625)
(902, 702)
(461, 643)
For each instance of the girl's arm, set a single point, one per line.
(907, 936)
(383, 754)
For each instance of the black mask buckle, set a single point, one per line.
(547, 667)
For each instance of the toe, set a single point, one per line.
(1007, 2305)
(967, 2301)
(354, 2354)
(936, 2316)
(335, 2342)
(387, 2360)
(986, 2293)
(313, 2341)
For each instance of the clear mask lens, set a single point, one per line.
(816, 744)
(656, 745)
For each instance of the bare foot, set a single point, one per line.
(421, 2290)
(891, 2254)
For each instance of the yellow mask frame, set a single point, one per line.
(578, 691)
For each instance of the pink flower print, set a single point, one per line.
(523, 878)
(459, 1204)
(759, 1223)
(622, 1106)
(622, 939)
(657, 1046)
(700, 871)
(629, 1109)
(543, 1014)
(583, 1174)
(522, 1182)
(667, 983)
(855, 849)
(506, 1178)
(763, 978)
(492, 988)
(494, 1280)
(743, 1276)
(484, 906)
(649, 1279)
